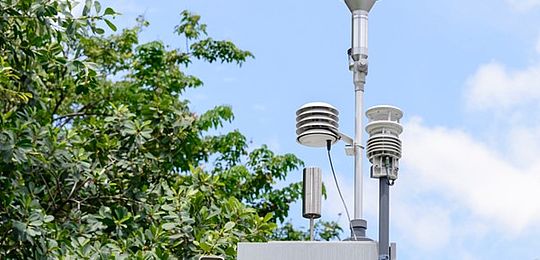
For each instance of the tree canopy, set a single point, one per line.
(101, 156)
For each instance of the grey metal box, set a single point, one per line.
(307, 250)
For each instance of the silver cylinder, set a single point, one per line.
(312, 193)
(359, 39)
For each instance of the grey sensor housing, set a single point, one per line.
(312, 193)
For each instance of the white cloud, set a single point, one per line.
(428, 227)
(453, 187)
(455, 165)
(494, 86)
(524, 5)
(524, 145)
(457, 187)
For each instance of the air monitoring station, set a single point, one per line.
(317, 126)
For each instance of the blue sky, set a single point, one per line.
(466, 74)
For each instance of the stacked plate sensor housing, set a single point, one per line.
(383, 147)
(316, 123)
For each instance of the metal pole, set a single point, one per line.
(359, 79)
(311, 229)
(359, 67)
(384, 219)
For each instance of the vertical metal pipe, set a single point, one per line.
(311, 229)
(384, 219)
(358, 149)
(358, 65)
(358, 54)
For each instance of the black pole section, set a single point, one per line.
(384, 219)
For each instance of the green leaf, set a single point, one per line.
(33, 232)
(167, 207)
(97, 6)
(176, 236)
(86, 8)
(110, 24)
(229, 226)
(268, 216)
(99, 30)
(19, 226)
(109, 11)
(36, 223)
(168, 226)
(124, 219)
(205, 246)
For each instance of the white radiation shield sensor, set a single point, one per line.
(384, 145)
(316, 123)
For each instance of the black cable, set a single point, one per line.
(328, 146)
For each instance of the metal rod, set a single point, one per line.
(384, 219)
(358, 54)
(311, 229)
(358, 149)
(358, 65)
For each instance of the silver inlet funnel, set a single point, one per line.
(364, 5)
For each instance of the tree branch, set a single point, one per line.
(81, 112)
(58, 103)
